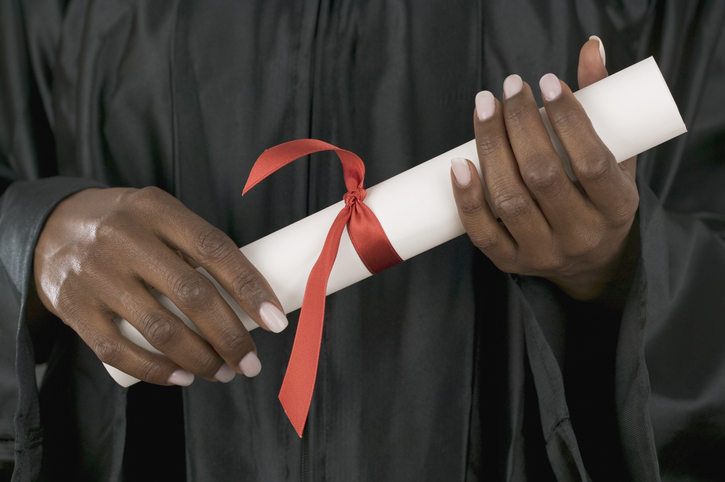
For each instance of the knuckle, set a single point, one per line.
(146, 200)
(248, 285)
(212, 243)
(567, 119)
(234, 341)
(158, 329)
(471, 205)
(485, 240)
(147, 195)
(512, 205)
(581, 244)
(489, 145)
(544, 175)
(193, 289)
(111, 229)
(596, 168)
(601, 153)
(206, 364)
(517, 114)
(66, 302)
(624, 213)
(108, 350)
(151, 371)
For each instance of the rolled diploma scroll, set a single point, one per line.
(632, 111)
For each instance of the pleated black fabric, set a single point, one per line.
(439, 369)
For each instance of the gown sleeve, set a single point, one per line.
(662, 384)
(670, 365)
(29, 189)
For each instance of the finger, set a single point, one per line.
(167, 333)
(510, 197)
(592, 68)
(196, 296)
(630, 168)
(540, 166)
(592, 62)
(102, 335)
(611, 191)
(219, 255)
(485, 231)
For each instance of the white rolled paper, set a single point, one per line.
(632, 111)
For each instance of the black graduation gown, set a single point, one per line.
(440, 368)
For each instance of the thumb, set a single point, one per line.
(592, 60)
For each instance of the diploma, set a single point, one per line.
(631, 111)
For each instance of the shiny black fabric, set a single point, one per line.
(440, 368)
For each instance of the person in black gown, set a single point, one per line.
(128, 128)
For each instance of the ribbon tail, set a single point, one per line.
(299, 380)
(370, 241)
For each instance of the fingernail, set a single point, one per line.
(485, 105)
(250, 365)
(601, 49)
(512, 86)
(225, 374)
(181, 378)
(550, 87)
(461, 171)
(272, 317)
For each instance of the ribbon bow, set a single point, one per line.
(370, 242)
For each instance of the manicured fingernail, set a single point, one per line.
(601, 49)
(225, 374)
(272, 317)
(485, 105)
(512, 86)
(461, 171)
(550, 87)
(181, 378)
(250, 365)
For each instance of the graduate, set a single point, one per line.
(576, 333)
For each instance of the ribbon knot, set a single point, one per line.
(354, 195)
(370, 242)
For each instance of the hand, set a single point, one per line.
(574, 235)
(99, 252)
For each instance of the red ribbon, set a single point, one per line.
(370, 242)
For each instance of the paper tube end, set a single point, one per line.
(682, 128)
(632, 110)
